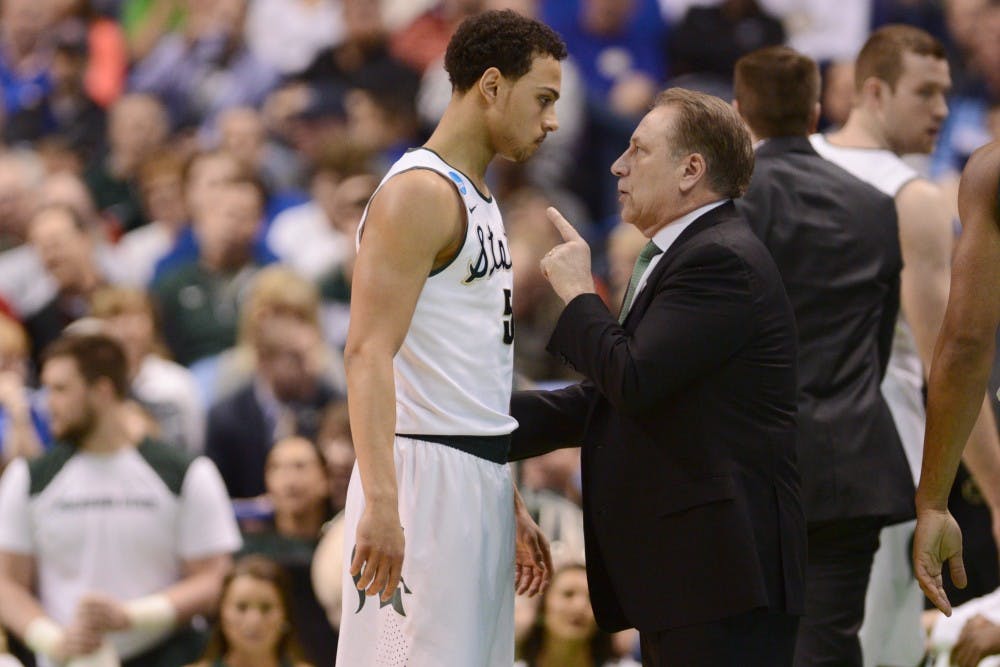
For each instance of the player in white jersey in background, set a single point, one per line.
(901, 81)
(429, 370)
(106, 543)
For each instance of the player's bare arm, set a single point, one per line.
(414, 224)
(960, 369)
(21, 612)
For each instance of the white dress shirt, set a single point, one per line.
(669, 234)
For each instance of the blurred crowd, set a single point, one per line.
(187, 177)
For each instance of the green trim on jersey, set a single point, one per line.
(43, 470)
(169, 463)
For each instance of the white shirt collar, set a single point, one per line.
(669, 234)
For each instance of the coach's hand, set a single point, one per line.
(378, 555)
(532, 556)
(567, 265)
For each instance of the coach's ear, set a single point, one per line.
(489, 85)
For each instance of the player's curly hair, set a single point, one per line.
(502, 39)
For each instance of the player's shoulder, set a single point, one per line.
(417, 186)
(982, 171)
(920, 195)
(170, 463)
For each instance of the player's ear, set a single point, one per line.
(489, 84)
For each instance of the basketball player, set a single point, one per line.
(960, 370)
(901, 82)
(429, 371)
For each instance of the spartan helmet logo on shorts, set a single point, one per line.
(396, 600)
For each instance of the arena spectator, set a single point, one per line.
(166, 390)
(256, 619)
(298, 491)
(205, 68)
(67, 249)
(326, 219)
(276, 290)
(199, 300)
(565, 632)
(423, 41)
(24, 429)
(161, 187)
(287, 35)
(24, 283)
(137, 129)
(25, 55)
(287, 396)
(242, 134)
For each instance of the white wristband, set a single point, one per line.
(153, 613)
(44, 636)
(105, 656)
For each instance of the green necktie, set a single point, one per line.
(649, 251)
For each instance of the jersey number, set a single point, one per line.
(508, 318)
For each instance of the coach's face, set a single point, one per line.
(650, 173)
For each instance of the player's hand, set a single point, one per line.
(378, 554)
(101, 614)
(937, 540)
(78, 640)
(979, 638)
(567, 265)
(532, 557)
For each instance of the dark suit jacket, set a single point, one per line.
(836, 244)
(239, 436)
(687, 421)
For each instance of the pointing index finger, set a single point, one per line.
(566, 230)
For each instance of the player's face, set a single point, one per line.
(915, 111)
(253, 618)
(568, 614)
(648, 172)
(71, 411)
(527, 110)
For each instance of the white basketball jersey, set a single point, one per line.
(904, 378)
(454, 371)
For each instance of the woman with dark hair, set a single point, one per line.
(255, 626)
(565, 633)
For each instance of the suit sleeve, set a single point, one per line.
(548, 420)
(700, 315)
(890, 311)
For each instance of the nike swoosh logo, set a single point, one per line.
(473, 208)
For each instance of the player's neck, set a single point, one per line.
(108, 435)
(861, 130)
(461, 141)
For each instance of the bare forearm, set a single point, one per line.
(954, 411)
(198, 593)
(371, 386)
(18, 607)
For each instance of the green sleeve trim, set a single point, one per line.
(169, 463)
(44, 469)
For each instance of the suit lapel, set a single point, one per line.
(706, 221)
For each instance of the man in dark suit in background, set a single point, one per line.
(694, 529)
(836, 244)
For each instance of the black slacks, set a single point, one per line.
(837, 572)
(759, 638)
